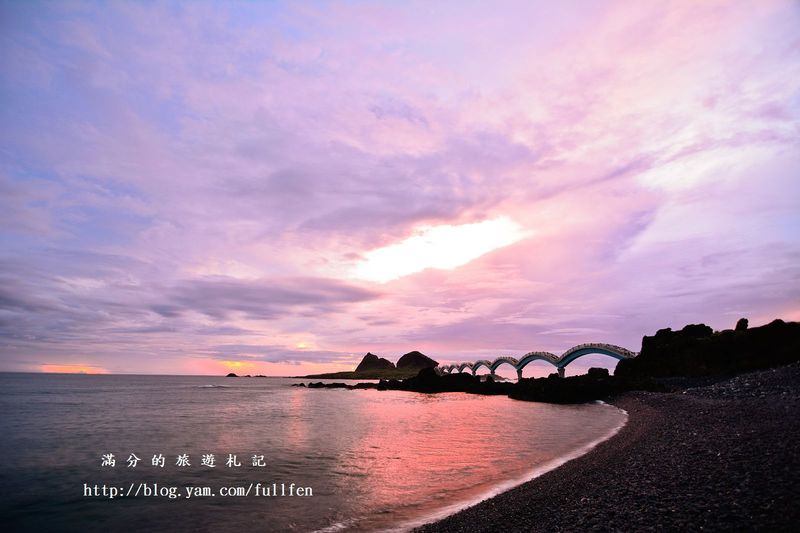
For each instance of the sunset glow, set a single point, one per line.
(443, 247)
(72, 369)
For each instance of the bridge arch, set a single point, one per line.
(617, 352)
(500, 361)
(462, 366)
(482, 363)
(534, 356)
(558, 361)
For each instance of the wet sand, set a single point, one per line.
(724, 456)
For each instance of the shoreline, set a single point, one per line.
(713, 457)
(510, 484)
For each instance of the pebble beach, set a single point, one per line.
(722, 456)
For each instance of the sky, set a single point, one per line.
(280, 187)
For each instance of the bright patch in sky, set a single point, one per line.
(73, 369)
(444, 247)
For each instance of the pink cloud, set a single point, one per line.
(187, 180)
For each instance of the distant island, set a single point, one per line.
(374, 367)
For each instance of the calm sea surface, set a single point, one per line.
(373, 460)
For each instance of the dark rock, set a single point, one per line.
(321, 385)
(416, 359)
(390, 384)
(697, 351)
(697, 331)
(298, 384)
(741, 325)
(373, 362)
(231, 375)
(596, 384)
(429, 381)
(598, 372)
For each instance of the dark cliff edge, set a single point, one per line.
(669, 360)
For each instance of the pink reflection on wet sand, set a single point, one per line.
(421, 449)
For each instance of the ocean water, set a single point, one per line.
(371, 460)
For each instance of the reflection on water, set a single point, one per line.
(375, 460)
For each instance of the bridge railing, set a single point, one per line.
(551, 358)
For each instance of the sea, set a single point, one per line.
(198, 453)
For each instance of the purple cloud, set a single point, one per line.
(185, 184)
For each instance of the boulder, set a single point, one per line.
(416, 359)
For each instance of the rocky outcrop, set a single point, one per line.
(697, 350)
(416, 359)
(428, 380)
(596, 384)
(373, 362)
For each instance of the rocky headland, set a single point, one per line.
(668, 361)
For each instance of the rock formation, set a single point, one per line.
(416, 359)
(697, 350)
(373, 362)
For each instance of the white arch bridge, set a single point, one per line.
(559, 361)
